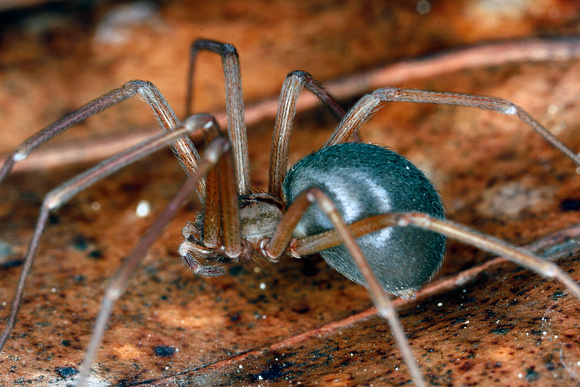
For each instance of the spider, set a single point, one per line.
(370, 213)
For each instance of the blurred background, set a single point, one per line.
(57, 55)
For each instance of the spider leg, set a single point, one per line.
(146, 91)
(492, 54)
(234, 104)
(61, 194)
(560, 244)
(368, 104)
(293, 85)
(522, 257)
(211, 204)
(119, 281)
(283, 235)
(225, 195)
(229, 206)
(221, 204)
(282, 239)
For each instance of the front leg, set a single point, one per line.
(192, 250)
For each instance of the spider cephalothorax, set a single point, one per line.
(260, 214)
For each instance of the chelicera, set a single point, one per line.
(370, 213)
